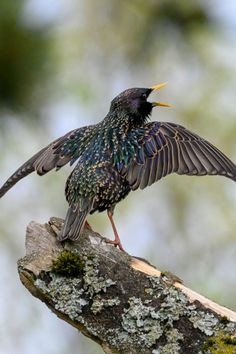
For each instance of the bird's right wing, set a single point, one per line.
(61, 151)
(164, 148)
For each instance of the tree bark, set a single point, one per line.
(123, 303)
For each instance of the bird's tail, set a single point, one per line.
(74, 223)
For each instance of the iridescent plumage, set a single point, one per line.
(120, 154)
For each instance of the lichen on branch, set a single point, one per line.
(94, 287)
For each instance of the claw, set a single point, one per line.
(116, 243)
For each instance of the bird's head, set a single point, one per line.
(132, 104)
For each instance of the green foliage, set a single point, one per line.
(23, 60)
(220, 344)
(68, 264)
(155, 26)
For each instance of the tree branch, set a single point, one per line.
(123, 303)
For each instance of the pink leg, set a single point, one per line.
(116, 242)
(87, 226)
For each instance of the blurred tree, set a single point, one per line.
(24, 60)
(141, 30)
(109, 37)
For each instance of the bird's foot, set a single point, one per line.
(116, 243)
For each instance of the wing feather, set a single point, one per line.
(146, 173)
(165, 148)
(152, 177)
(159, 165)
(188, 159)
(195, 160)
(173, 162)
(61, 151)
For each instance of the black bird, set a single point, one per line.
(120, 154)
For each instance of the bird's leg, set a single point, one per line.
(87, 225)
(116, 242)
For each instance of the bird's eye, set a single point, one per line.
(144, 96)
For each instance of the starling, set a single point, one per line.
(120, 154)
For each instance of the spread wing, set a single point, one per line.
(61, 151)
(165, 148)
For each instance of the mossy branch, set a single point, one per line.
(121, 302)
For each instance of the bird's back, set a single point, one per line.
(95, 175)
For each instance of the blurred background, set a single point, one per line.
(61, 63)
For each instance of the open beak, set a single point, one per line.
(162, 104)
(155, 88)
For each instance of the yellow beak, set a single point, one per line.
(158, 87)
(155, 88)
(161, 104)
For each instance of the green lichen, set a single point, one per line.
(70, 293)
(149, 319)
(147, 324)
(148, 291)
(205, 321)
(220, 344)
(67, 294)
(99, 303)
(173, 306)
(67, 264)
(139, 319)
(173, 337)
(156, 283)
(93, 283)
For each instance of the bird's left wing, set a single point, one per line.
(57, 154)
(164, 148)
